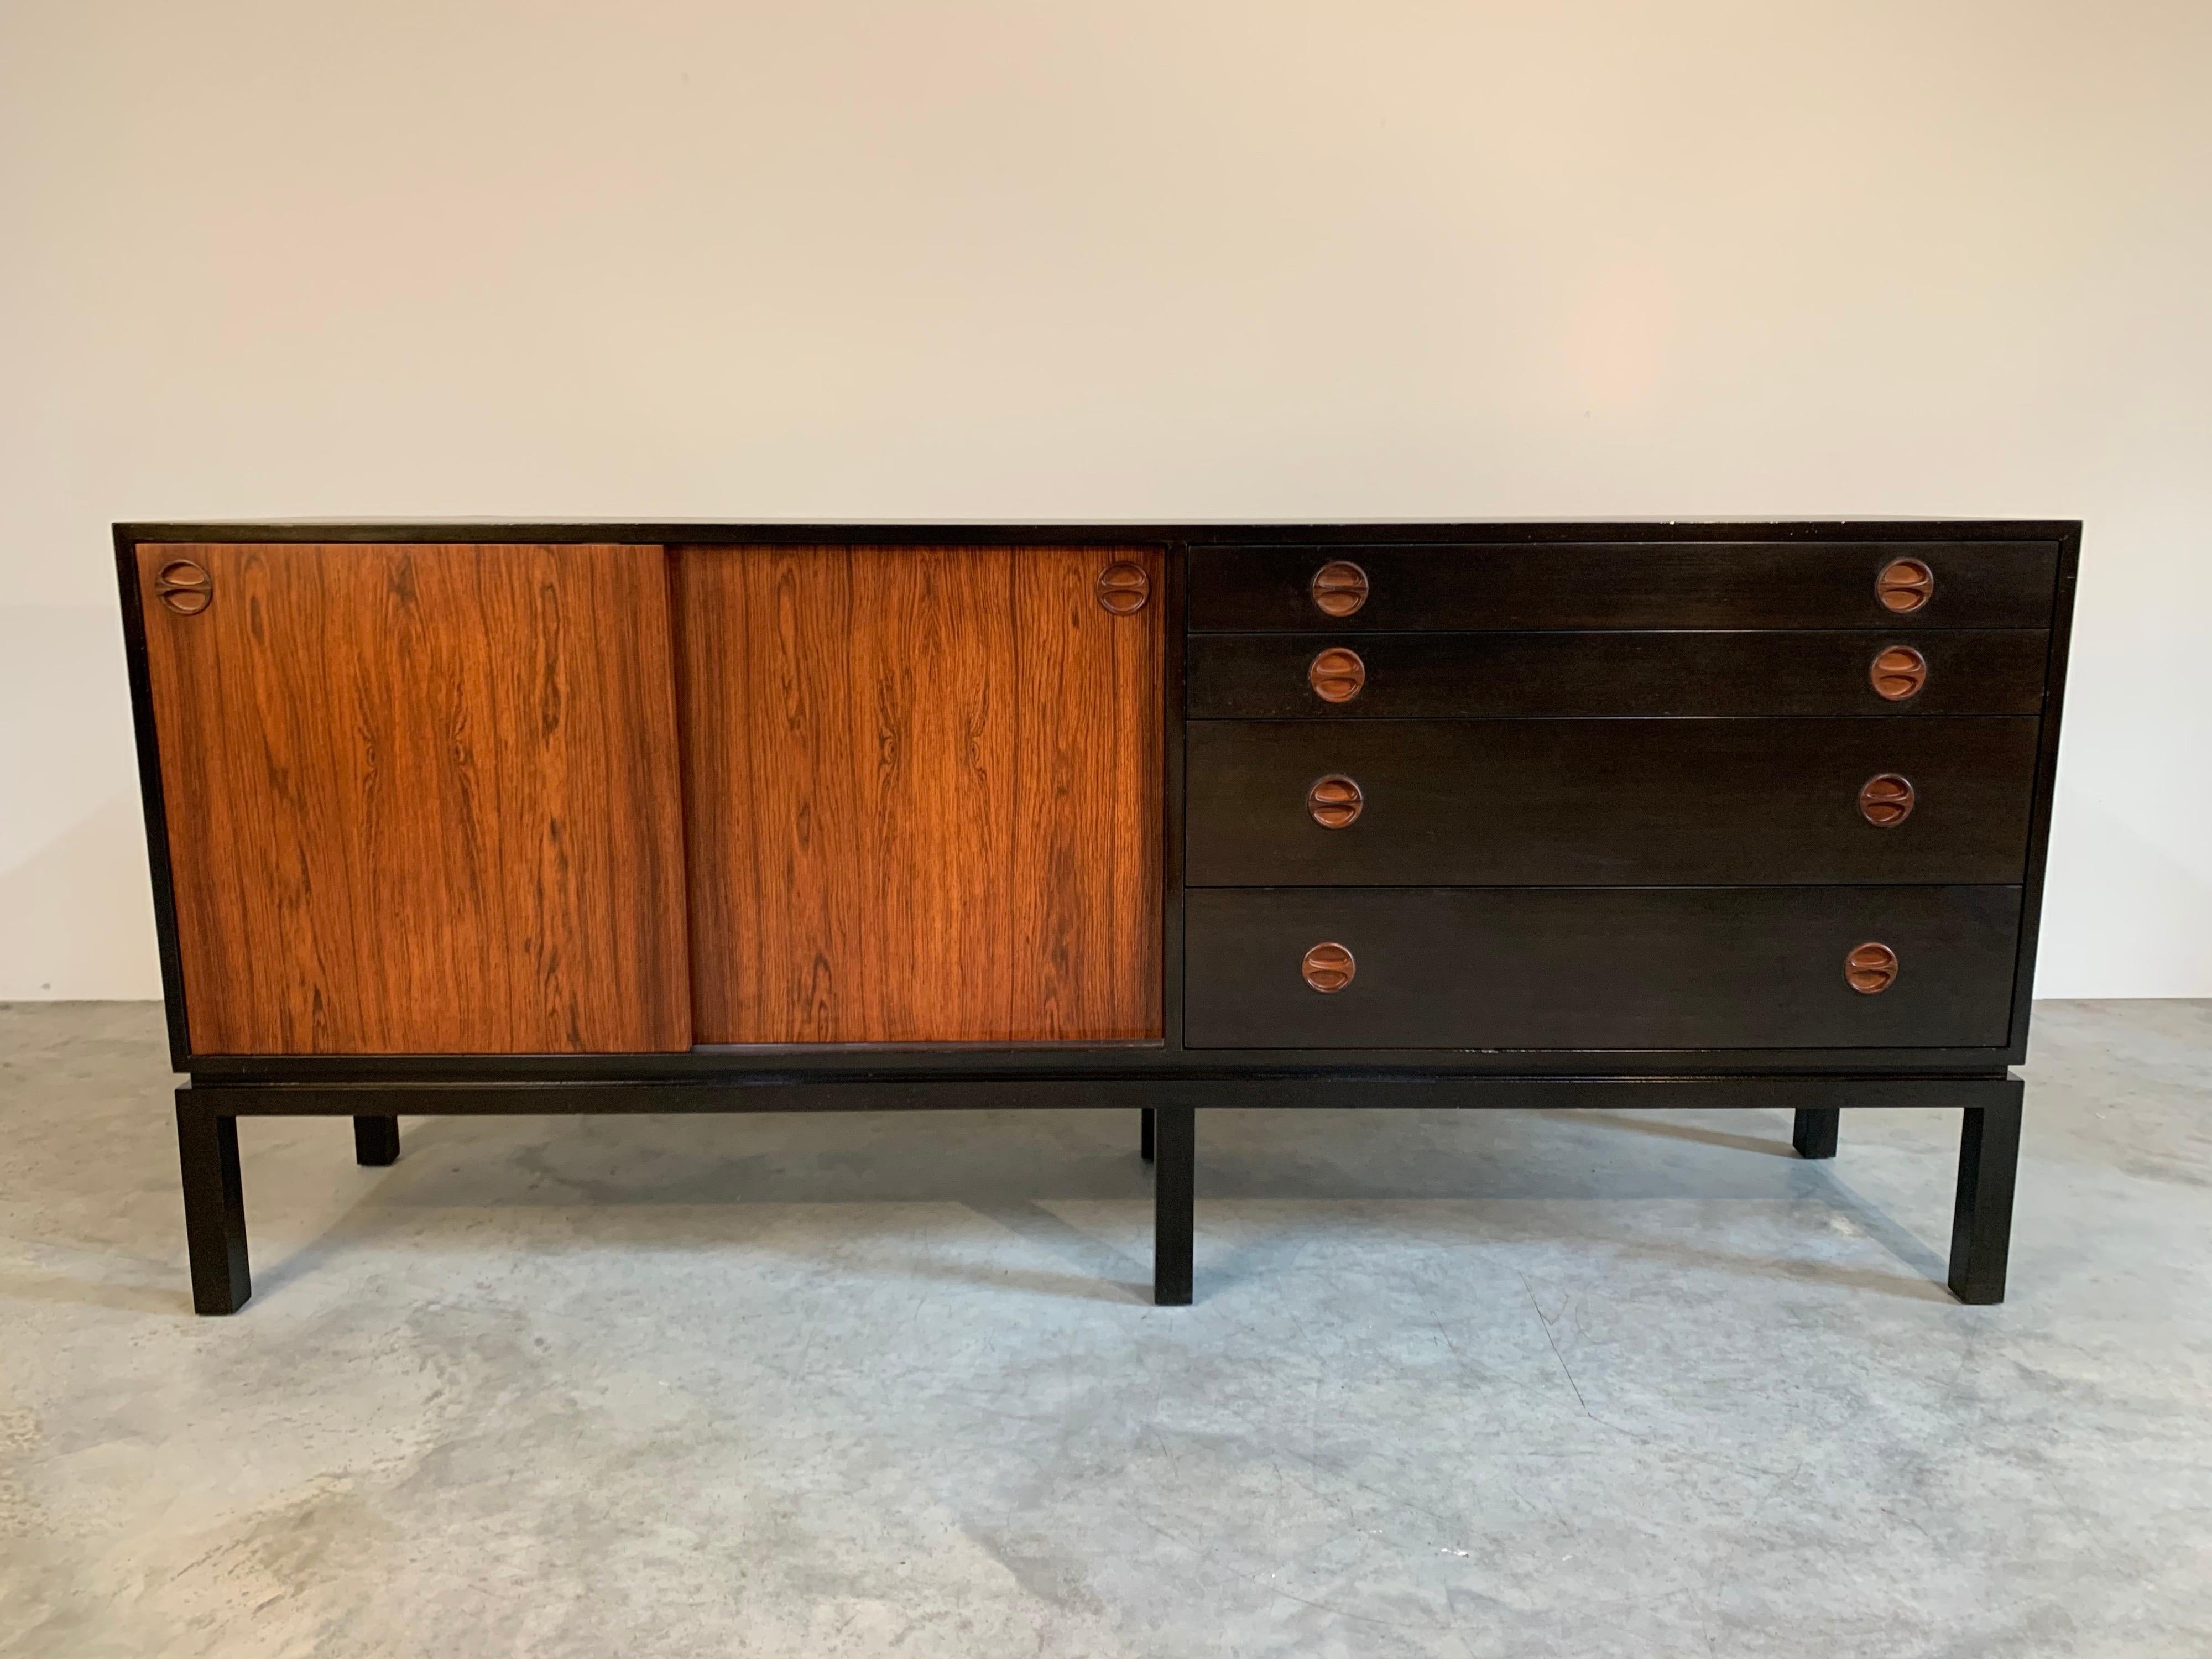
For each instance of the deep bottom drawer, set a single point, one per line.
(1599, 967)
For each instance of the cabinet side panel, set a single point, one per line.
(422, 799)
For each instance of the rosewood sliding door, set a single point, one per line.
(420, 799)
(922, 793)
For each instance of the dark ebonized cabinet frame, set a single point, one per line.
(1164, 1080)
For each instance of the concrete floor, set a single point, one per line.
(1456, 1385)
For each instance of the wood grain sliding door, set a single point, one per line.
(922, 789)
(421, 800)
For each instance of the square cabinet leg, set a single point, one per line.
(215, 1208)
(376, 1141)
(1175, 1147)
(1814, 1135)
(1145, 1135)
(1981, 1223)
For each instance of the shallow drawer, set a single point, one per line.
(1870, 584)
(1399, 676)
(1598, 967)
(1614, 803)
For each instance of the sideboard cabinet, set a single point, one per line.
(603, 817)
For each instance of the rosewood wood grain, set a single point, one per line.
(1625, 585)
(922, 788)
(1086, 801)
(1638, 967)
(1470, 675)
(421, 798)
(1606, 803)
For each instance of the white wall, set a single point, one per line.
(1120, 258)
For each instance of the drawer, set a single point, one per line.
(1624, 585)
(1595, 968)
(1470, 675)
(1608, 803)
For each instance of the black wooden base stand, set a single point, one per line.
(215, 1208)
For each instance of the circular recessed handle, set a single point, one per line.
(1898, 671)
(1336, 675)
(1870, 969)
(1329, 968)
(186, 588)
(1339, 588)
(1885, 799)
(1904, 585)
(1335, 801)
(1123, 587)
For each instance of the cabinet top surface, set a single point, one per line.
(1199, 531)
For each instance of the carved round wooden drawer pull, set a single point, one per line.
(1123, 588)
(1904, 585)
(1336, 675)
(1885, 799)
(185, 587)
(1898, 671)
(1335, 801)
(1870, 968)
(1339, 588)
(1329, 968)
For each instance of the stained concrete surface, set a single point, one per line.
(1456, 1384)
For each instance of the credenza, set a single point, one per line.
(566, 817)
